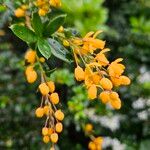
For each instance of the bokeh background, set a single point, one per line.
(126, 25)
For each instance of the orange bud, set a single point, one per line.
(98, 140)
(50, 131)
(59, 115)
(66, 43)
(88, 127)
(92, 146)
(106, 84)
(39, 112)
(42, 59)
(114, 95)
(104, 96)
(116, 104)
(59, 127)
(79, 73)
(46, 139)
(54, 98)
(46, 110)
(44, 89)
(92, 92)
(30, 56)
(31, 76)
(42, 12)
(51, 86)
(45, 131)
(54, 137)
(125, 80)
(19, 13)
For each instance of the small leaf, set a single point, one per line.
(44, 48)
(54, 24)
(37, 24)
(24, 33)
(48, 73)
(58, 50)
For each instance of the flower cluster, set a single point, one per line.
(98, 72)
(99, 75)
(44, 5)
(50, 99)
(96, 142)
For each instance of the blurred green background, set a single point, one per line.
(126, 25)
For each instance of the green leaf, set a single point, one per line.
(58, 50)
(44, 48)
(54, 24)
(37, 24)
(48, 73)
(24, 33)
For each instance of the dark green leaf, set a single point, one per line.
(37, 24)
(44, 48)
(24, 33)
(58, 50)
(48, 73)
(54, 24)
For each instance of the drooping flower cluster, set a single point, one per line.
(100, 76)
(50, 99)
(96, 142)
(98, 72)
(53, 124)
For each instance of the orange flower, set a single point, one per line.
(104, 96)
(30, 56)
(116, 104)
(116, 69)
(79, 73)
(101, 58)
(19, 12)
(125, 80)
(92, 92)
(106, 84)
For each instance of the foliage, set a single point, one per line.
(93, 18)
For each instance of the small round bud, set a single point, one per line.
(44, 89)
(54, 98)
(66, 43)
(59, 127)
(59, 115)
(79, 73)
(106, 84)
(39, 112)
(104, 97)
(46, 139)
(88, 127)
(92, 92)
(54, 137)
(51, 86)
(45, 131)
(19, 13)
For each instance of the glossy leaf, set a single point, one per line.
(37, 24)
(54, 24)
(44, 47)
(58, 50)
(24, 33)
